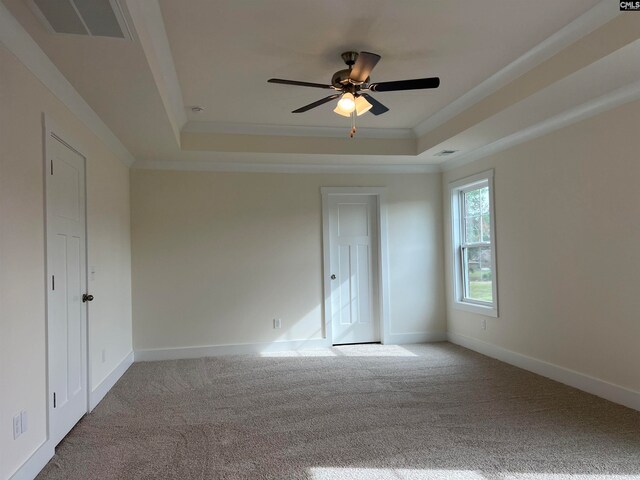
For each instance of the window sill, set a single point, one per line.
(479, 309)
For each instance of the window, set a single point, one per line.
(472, 220)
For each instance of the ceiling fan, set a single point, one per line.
(353, 84)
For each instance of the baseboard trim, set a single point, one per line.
(601, 388)
(98, 393)
(35, 463)
(422, 337)
(156, 354)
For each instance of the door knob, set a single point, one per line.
(333, 277)
(87, 298)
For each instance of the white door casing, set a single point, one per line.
(353, 251)
(66, 283)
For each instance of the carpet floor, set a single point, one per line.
(433, 411)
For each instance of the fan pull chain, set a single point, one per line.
(353, 125)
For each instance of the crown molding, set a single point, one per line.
(149, 25)
(602, 13)
(294, 130)
(609, 101)
(16, 39)
(203, 166)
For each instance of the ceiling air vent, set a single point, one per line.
(446, 153)
(95, 18)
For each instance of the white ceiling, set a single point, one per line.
(219, 54)
(224, 51)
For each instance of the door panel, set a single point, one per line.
(353, 220)
(344, 295)
(66, 280)
(363, 276)
(353, 247)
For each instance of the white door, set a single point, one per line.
(66, 283)
(354, 270)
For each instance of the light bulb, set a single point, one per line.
(347, 103)
(362, 105)
(339, 111)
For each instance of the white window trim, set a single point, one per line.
(455, 188)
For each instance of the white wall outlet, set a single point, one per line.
(17, 426)
(277, 323)
(104, 355)
(484, 323)
(24, 421)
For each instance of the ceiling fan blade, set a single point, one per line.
(377, 108)
(299, 84)
(417, 84)
(364, 64)
(317, 103)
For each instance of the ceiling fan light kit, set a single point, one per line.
(353, 83)
(349, 104)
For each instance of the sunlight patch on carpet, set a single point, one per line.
(331, 473)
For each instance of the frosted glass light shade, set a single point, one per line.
(346, 105)
(362, 105)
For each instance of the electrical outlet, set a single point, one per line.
(277, 323)
(24, 421)
(17, 426)
(484, 323)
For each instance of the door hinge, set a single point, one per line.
(54, 399)
(53, 282)
(51, 167)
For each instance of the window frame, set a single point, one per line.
(457, 190)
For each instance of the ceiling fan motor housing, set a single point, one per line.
(340, 78)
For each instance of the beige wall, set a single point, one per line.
(217, 256)
(568, 239)
(23, 99)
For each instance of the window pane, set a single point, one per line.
(478, 274)
(472, 230)
(486, 228)
(484, 192)
(472, 203)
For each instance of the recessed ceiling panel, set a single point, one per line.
(225, 50)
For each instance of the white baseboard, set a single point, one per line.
(98, 393)
(405, 338)
(36, 462)
(601, 388)
(156, 354)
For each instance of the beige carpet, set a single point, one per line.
(415, 412)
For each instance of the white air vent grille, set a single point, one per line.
(95, 18)
(445, 153)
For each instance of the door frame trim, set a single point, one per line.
(50, 129)
(382, 256)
